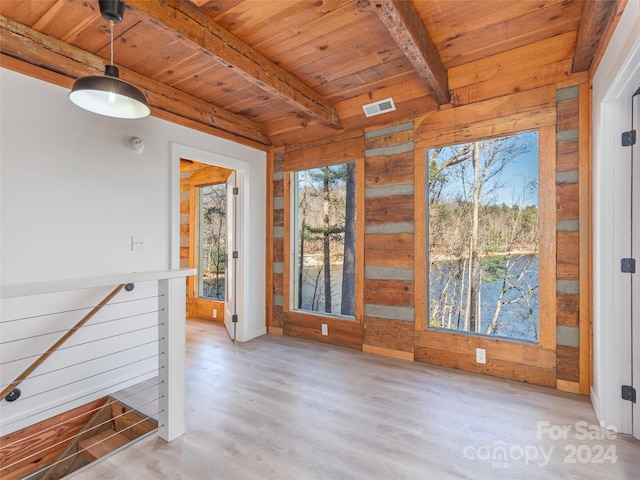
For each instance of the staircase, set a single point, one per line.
(63, 444)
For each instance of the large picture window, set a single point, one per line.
(324, 239)
(483, 237)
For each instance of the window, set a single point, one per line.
(483, 237)
(212, 241)
(324, 239)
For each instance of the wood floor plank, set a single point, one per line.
(285, 408)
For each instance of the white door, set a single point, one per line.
(230, 312)
(635, 253)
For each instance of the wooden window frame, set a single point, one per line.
(289, 247)
(534, 363)
(427, 217)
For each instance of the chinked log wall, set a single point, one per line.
(393, 289)
(389, 278)
(573, 180)
(275, 282)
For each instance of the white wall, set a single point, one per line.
(72, 194)
(617, 78)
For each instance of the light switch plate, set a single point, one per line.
(138, 243)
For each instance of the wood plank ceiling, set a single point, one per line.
(277, 72)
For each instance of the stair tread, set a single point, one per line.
(101, 444)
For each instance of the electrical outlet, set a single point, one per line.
(325, 329)
(481, 355)
(215, 313)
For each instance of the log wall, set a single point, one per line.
(389, 277)
(567, 227)
(275, 318)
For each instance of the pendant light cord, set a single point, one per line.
(111, 42)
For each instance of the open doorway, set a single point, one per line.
(207, 241)
(244, 300)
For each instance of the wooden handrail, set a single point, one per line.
(9, 388)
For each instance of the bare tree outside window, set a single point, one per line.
(212, 241)
(483, 237)
(325, 239)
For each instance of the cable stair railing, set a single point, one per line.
(11, 392)
(50, 423)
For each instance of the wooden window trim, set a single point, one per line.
(535, 362)
(289, 250)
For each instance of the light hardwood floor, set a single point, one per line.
(282, 408)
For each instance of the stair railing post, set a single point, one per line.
(171, 361)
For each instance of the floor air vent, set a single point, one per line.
(376, 108)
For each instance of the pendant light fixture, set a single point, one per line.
(109, 95)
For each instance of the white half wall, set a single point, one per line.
(617, 78)
(117, 349)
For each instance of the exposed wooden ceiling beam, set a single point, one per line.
(33, 47)
(595, 17)
(184, 20)
(406, 27)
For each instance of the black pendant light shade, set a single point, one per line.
(109, 95)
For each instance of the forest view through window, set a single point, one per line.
(483, 237)
(325, 217)
(212, 241)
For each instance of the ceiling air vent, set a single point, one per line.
(376, 108)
